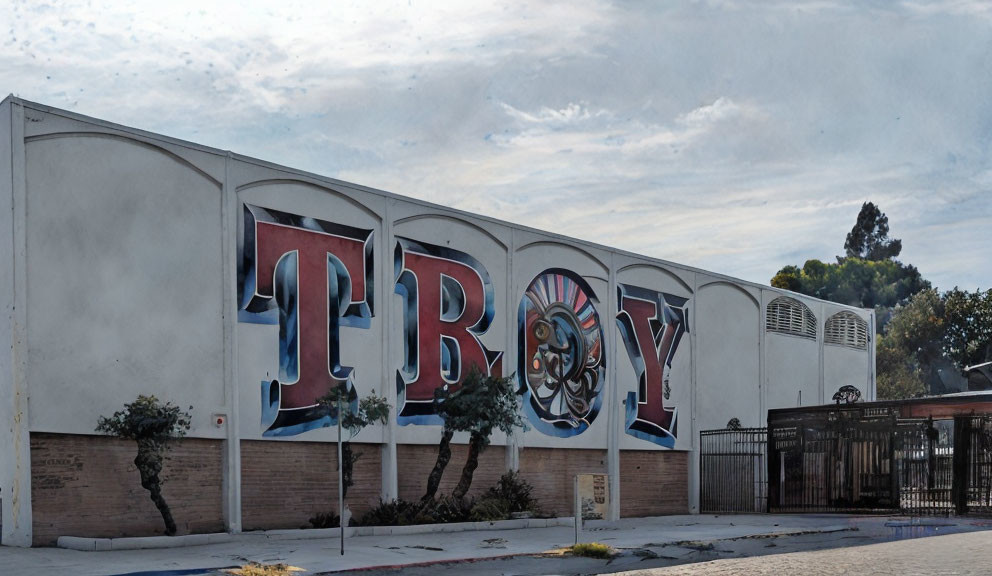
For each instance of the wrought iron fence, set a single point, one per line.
(733, 470)
(925, 460)
(852, 459)
(833, 462)
(973, 464)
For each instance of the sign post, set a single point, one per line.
(340, 481)
(578, 508)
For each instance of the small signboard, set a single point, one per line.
(595, 496)
(592, 499)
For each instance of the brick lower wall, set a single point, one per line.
(415, 462)
(552, 471)
(88, 486)
(653, 483)
(284, 484)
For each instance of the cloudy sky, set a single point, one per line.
(733, 136)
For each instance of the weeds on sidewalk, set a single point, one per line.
(593, 550)
(256, 569)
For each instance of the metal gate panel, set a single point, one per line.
(732, 470)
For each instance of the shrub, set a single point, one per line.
(593, 550)
(514, 491)
(448, 509)
(511, 494)
(328, 520)
(401, 512)
(397, 512)
(489, 509)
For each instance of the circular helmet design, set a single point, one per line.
(562, 369)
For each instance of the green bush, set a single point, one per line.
(488, 509)
(593, 550)
(514, 491)
(397, 512)
(510, 494)
(447, 509)
(154, 426)
(328, 520)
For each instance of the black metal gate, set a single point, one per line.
(869, 460)
(850, 459)
(842, 465)
(973, 464)
(925, 461)
(733, 470)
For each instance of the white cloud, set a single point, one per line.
(734, 136)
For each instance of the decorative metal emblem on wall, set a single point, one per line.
(847, 394)
(561, 365)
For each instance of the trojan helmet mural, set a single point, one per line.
(561, 364)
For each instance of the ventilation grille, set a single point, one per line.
(790, 316)
(846, 329)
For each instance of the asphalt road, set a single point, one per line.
(873, 549)
(957, 554)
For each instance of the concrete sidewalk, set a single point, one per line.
(322, 555)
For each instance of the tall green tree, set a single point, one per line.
(853, 281)
(898, 372)
(908, 352)
(869, 238)
(933, 331)
(867, 275)
(968, 317)
(919, 331)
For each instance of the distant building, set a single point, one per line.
(979, 376)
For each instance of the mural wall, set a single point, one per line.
(448, 303)
(561, 364)
(652, 325)
(141, 264)
(312, 277)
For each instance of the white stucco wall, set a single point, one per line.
(728, 355)
(124, 269)
(131, 243)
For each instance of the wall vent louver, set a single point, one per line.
(790, 316)
(846, 329)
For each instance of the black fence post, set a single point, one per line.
(962, 453)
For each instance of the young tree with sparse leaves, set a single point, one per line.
(371, 409)
(154, 427)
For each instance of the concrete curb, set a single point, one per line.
(142, 542)
(150, 542)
